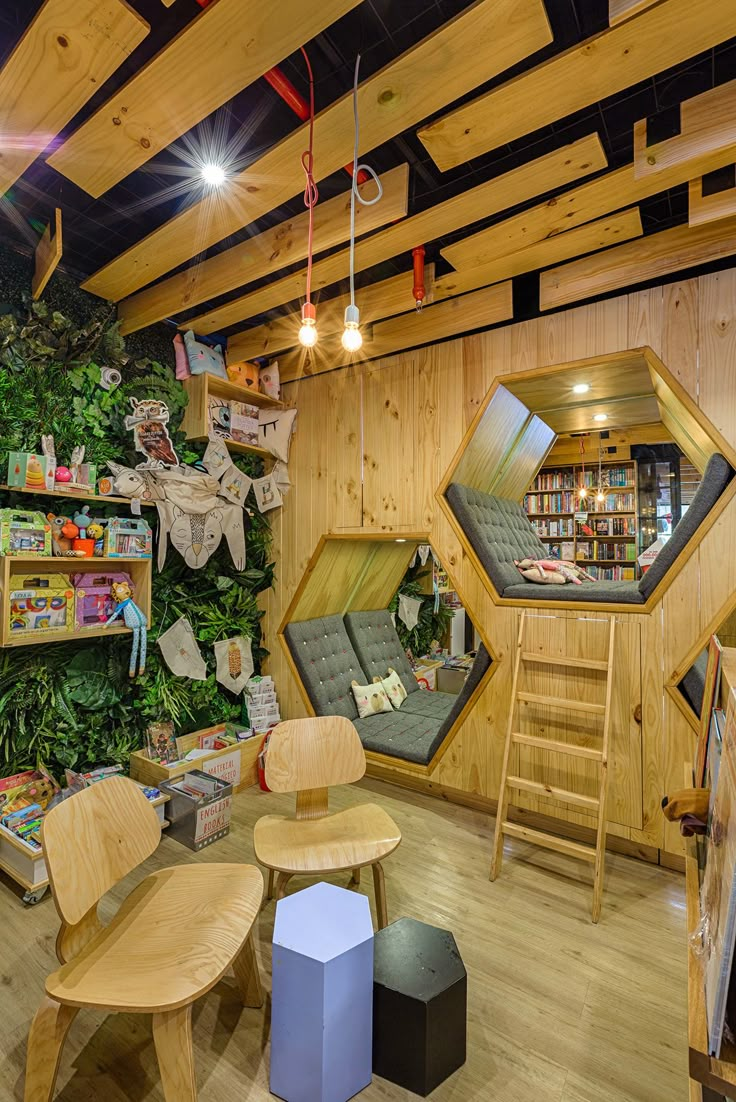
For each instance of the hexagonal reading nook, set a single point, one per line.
(338, 630)
(509, 438)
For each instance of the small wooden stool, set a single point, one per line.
(419, 1005)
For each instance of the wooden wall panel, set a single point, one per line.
(402, 418)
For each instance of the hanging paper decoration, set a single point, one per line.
(235, 485)
(280, 475)
(148, 422)
(267, 493)
(234, 662)
(409, 610)
(423, 551)
(216, 457)
(181, 651)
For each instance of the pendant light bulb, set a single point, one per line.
(308, 331)
(600, 496)
(352, 338)
(582, 493)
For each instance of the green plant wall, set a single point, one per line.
(72, 704)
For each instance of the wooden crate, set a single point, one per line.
(237, 763)
(22, 863)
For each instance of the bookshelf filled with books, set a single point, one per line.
(588, 518)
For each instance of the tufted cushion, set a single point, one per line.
(430, 705)
(620, 593)
(717, 476)
(498, 531)
(401, 735)
(378, 646)
(327, 664)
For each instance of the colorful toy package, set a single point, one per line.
(93, 600)
(127, 537)
(24, 533)
(31, 470)
(44, 603)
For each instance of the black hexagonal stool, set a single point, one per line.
(419, 1005)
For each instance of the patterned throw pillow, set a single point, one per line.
(370, 699)
(269, 380)
(203, 358)
(274, 432)
(393, 687)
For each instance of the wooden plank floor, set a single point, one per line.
(559, 1010)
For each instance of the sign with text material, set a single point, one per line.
(212, 819)
(226, 767)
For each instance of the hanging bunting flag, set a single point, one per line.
(181, 651)
(234, 662)
(409, 610)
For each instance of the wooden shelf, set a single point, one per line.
(235, 446)
(102, 498)
(196, 422)
(61, 562)
(34, 638)
(223, 388)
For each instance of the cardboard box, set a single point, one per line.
(198, 820)
(43, 603)
(24, 533)
(93, 600)
(127, 537)
(31, 470)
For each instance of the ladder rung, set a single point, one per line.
(554, 660)
(548, 841)
(557, 747)
(560, 702)
(549, 792)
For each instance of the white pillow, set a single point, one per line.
(370, 699)
(202, 358)
(274, 432)
(393, 687)
(269, 380)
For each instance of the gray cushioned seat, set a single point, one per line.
(378, 646)
(327, 664)
(716, 477)
(498, 530)
(692, 685)
(626, 593)
(401, 735)
(430, 705)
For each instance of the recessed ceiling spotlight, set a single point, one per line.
(600, 416)
(580, 388)
(399, 541)
(214, 175)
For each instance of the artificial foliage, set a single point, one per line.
(72, 705)
(431, 625)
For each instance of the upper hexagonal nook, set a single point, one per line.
(521, 418)
(339, 630)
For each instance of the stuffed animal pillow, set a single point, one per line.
(552, 572)
(370, 699)
(274, 431)
(244, 374)
(269, 381)
(393, 687)
(203, 358)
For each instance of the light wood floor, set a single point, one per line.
(559, 1010)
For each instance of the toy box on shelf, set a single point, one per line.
(234, 761)
(24, 533)
(41, 603)
(94, 604)
(127, 537)
(199, 808)
(31, 471)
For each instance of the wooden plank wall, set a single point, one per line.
(373, 442)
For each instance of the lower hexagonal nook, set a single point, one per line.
(520, 421)
(340, 631)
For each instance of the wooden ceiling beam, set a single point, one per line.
(379, 300)
(267, 252)
(582, 204)
(707, 124)
(228, 46)
(653, 257)
(663, 35)
(47, 256)
(551, 171)
(621, 10)
(438, 322)
(482, 41)
(64, 57)
(709, 208)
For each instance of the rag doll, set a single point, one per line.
(135, 620)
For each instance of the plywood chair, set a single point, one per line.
(307, 756)
(173, 938)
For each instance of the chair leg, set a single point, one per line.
(246, 971)
(379, 884)
(269, 890)
(355, 878)
(172, 1036)
(283, 880)
(45, 1042)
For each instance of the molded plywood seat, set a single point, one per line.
(130, 966)
(307, 756)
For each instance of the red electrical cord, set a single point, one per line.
(311, 194)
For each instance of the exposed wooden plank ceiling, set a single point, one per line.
(621, 413)
(662, 35)
(619, 10)
(485, 39)
(267, 252)
(446, 319)
(707, 124)
(203, 67)
(48, 255)
(613, 378)
(65, 55)
(636, 262)
(552, 170)
(709, 206)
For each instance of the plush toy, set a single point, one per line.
(689, 806)
(552, 571)
(82, 520)
(135, 620)
(63, 533)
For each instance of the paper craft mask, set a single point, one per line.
(234, 662)
(150, 434)
(181, 651)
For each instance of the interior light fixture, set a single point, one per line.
(399, 541)
(308, 331)
(582, 493)
(214, 175)
(600, 416)
(352, 338)
(580, 388)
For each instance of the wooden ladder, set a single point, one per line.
(593, 804)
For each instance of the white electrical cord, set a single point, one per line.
(354, 192)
